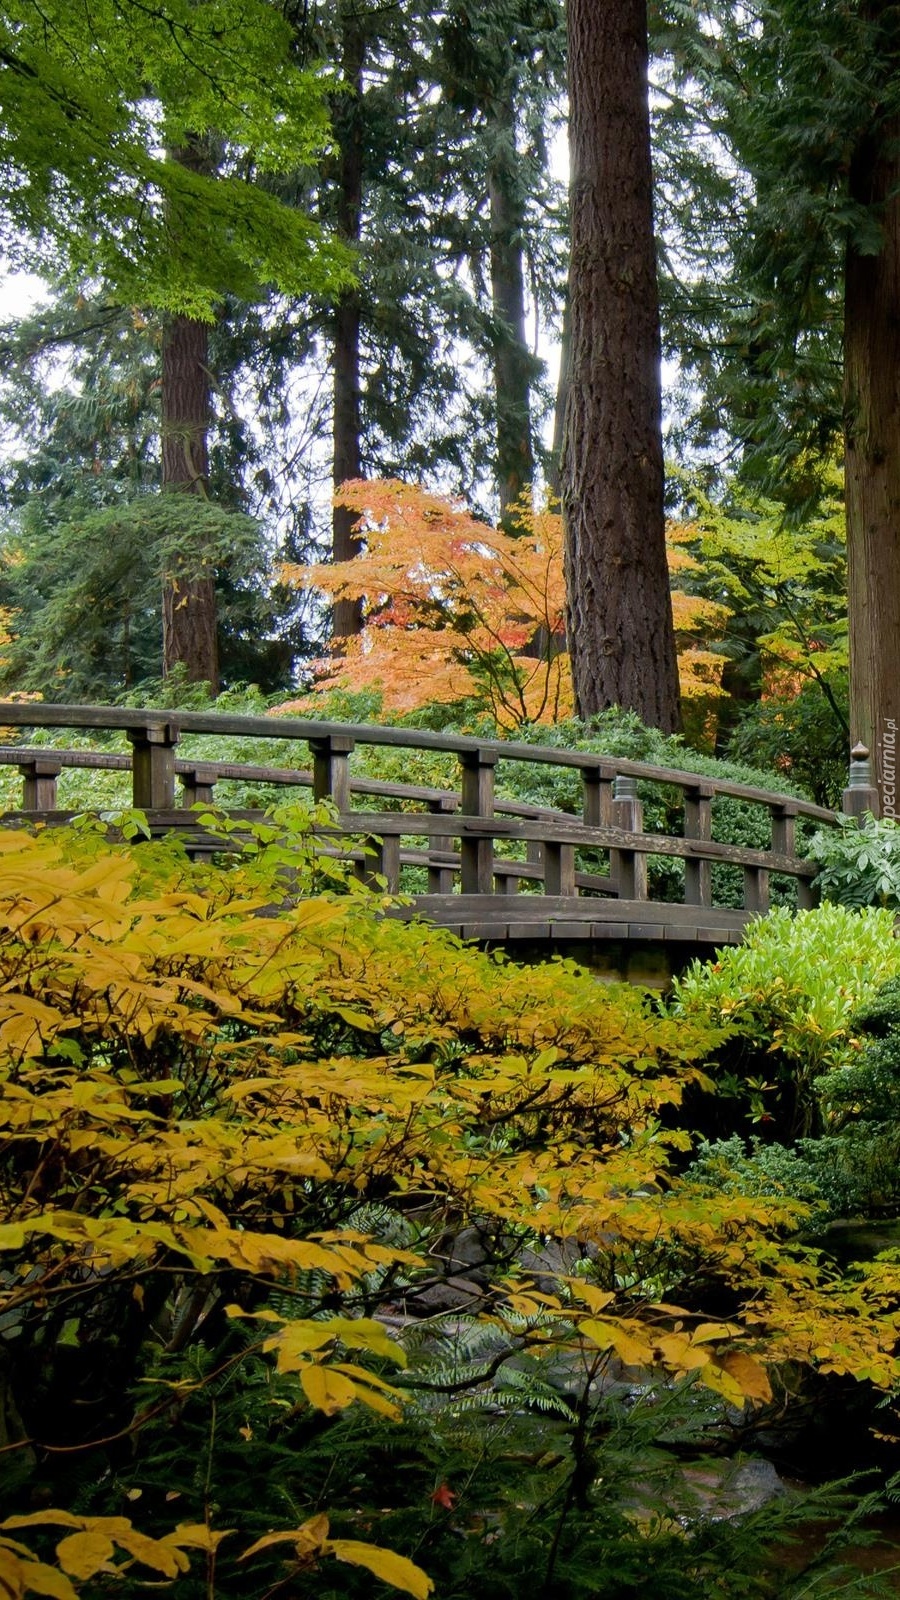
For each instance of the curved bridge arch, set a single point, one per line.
(487, 867)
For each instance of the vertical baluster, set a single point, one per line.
(756, 890)
(628, 867)
(381, 860)
(153, 766)
(784, 843)
(784, 829)
(477, 854)
(559, 869)
(331, 768)
(440, 877)
(597, 800)
(806, 894)
(534, 854)
(198, 785)
(39, 776)
(597, 795)
(698, 825)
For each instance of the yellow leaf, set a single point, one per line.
(309, 1537)
(43, 1519)
(358, 1333)
(196, 1536)
(355, 1019)
(326, 1390)
(611, 1335)
(163, 1557)
(714, 1330)
(11, 1582)
(721, 1383)
(751, 1378)
(19, 1578)
(372, 1391)
(387, 1566)
(679, 1354)
(41, 1579)
(85, 1553)
(595, 1299)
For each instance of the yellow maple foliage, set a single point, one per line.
(205, 1083)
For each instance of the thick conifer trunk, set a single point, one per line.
(189, 593)
(554, 468)
(512, 360)
(347, 425)
(621, 636)
(872, 458)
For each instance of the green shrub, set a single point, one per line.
(787, 997)
(859, 866)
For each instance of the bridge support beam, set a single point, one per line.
(153, 766)
(477, 800)
(39, 785)
(698, 825)
(331, 768)
(628, 868)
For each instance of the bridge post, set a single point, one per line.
(331, 768)
(39, 786)
(756, 890)
(559, 868)
(153, 766)
(198, 785)
(628, 867)
(477, 788)
(698, 825)
(784, 842)
(381, 859)
(440, 877)
(597, 795)
(784, 829)
(861, 795)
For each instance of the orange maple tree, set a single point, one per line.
(455, 609)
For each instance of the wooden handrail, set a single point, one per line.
(98, 718)
(461, 835)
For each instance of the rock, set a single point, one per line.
(730, 1489)
(451, 1294)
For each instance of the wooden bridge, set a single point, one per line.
(488, 867)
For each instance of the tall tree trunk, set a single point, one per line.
(189, 590)
(872, 456)
(512, 361)
(563, 383)
(347, 459)
(189, 593)
(621, 636)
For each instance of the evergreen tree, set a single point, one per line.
(501, 70)
(621, 635)
(441, 179)
(84, 536)
(800, 332)
(126, 140)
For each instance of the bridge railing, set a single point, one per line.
(481, 859)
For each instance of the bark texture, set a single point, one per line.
(512, 359)
(872, 459)
(189, 592)
(621, 636)
(346, 616)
